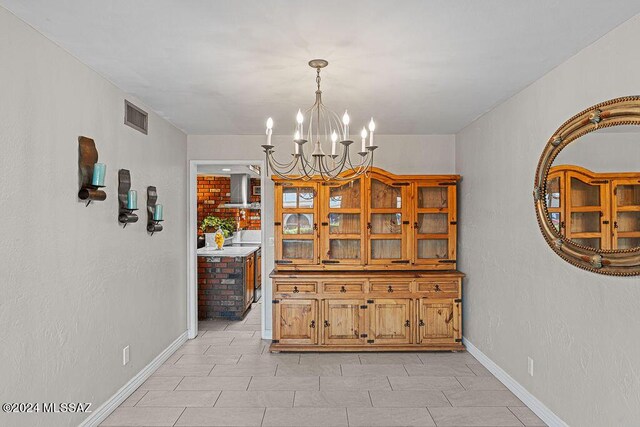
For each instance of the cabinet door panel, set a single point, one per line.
(390, 321)
(438, 321)
(626, 213)
(587, 213)
(249, 271)
(343, 322)
(296, 321)
(296, 223)
(434, 223)
(387, 221)
(342, 231)
(555, 199)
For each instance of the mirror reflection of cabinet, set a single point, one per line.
(626, 213)
(296, 225)
(597, 210)
(587, 217)
(555, 201)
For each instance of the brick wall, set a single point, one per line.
(214, 191)
(220, 287)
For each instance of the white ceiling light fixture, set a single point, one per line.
(325, 128)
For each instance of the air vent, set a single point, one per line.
(135, 117)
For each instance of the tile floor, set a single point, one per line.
(227, 377)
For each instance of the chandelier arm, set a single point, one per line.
(279, 164)
(282, 173)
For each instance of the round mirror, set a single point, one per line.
(587, 188)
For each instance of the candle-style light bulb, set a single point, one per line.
(296, 147)
(372, 127)
(363, 134)
(269, 130)
(300, 120)
(345, 122)
(334, 138)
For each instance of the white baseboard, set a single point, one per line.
(539, 408)
(103, 411)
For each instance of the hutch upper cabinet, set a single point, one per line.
(598, 210)
(382, 221)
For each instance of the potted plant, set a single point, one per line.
(211, 224)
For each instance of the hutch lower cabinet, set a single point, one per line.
(367, 264)
(367, 311)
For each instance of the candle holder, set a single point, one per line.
(87, 159)
(153, 223)
(126, 206)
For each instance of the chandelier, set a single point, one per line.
(324, 129)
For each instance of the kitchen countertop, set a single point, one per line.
(232, 250)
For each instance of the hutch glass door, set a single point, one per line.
(296, 223)
(587, 221)
(626, 214)
(434, 223)
(342, 223)
(388, 221)
(555, 200)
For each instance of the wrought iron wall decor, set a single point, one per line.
(154, 211)
(91, 173)
(127, 199)
(615, 262)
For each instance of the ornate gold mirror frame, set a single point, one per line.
(615, 112)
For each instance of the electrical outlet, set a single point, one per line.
(125, 355)
(530, 366)
(271, 241)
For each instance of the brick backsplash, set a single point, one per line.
(214, 191)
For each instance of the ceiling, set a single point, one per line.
(417, 66)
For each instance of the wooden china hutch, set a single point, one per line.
(597, 210)
(367, 264)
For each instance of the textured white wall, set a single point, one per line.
(75, 287)
(520, 299)
(401, 154)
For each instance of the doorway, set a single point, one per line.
(253, 168)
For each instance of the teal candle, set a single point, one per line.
(132, 199)
(99, 170)
(157, 213)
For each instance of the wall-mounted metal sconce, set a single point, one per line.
(154, 211)
(127, 199)
(91, 173)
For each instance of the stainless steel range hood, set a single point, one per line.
(240, 193)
